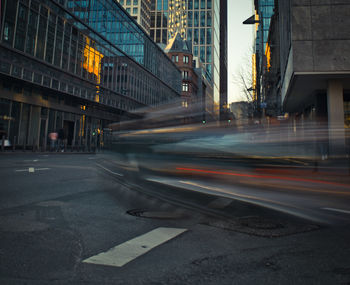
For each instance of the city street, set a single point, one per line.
(69, 218)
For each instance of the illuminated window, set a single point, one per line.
(185, 87)
(185, 75)
(185, 59)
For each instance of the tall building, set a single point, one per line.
(139, 11)
(77, 66)
(264, 10)
(315, 66)
(204, 24)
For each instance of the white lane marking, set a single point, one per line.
(110, 171)
(337, 210)
(129, 250)
(31, 169)
(35, 160)
(92, 158)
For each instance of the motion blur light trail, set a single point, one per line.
(264, 176)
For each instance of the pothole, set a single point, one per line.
(155, 214)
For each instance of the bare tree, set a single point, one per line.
(243, 78)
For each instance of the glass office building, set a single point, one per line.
(199, 22)
(57, 71)
(139, 11)
(109, 19)
(265, 10)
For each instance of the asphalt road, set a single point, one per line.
(77, 219)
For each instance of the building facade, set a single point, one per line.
(58, 72)
(264, 9)
(197, 91)
(204, 24)
(180, 53)
(140, 11)
(314, 59)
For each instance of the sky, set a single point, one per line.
(240, 39)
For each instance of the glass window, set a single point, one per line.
(202, 4)
(185, 74)
(208, 4)
(59, 40)
(189, 35)
(195, 50)
(136, 2)
(190, 4)
(9, 24)
(135, 10)
(208, 36)
(202, 36)
(41, 39)
(202, 54)
(50, 38)
(208, 18)
(66, 42)
(196, 19)
(21, 27)
(195, 36)
(31, 33)
(164, 36)
(159, 5)
(209, 54)
(185, 87)
(203, 19)
(190, 19)
(196, 4)
(165, 19)
(165, 4)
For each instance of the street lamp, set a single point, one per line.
(251, 21)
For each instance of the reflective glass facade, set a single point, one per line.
(265, 12)
(140, 11)
(72, 58)
(57, 71)
(109, 19)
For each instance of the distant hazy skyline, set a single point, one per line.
(240, 38)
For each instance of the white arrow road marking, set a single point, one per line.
(337, 210)
(110, 171)
(129, 250)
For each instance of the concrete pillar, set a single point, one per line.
(335, 106)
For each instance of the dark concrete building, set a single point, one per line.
(315, 64)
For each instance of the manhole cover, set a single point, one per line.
(155, 214)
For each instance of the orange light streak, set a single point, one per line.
(262, 176)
